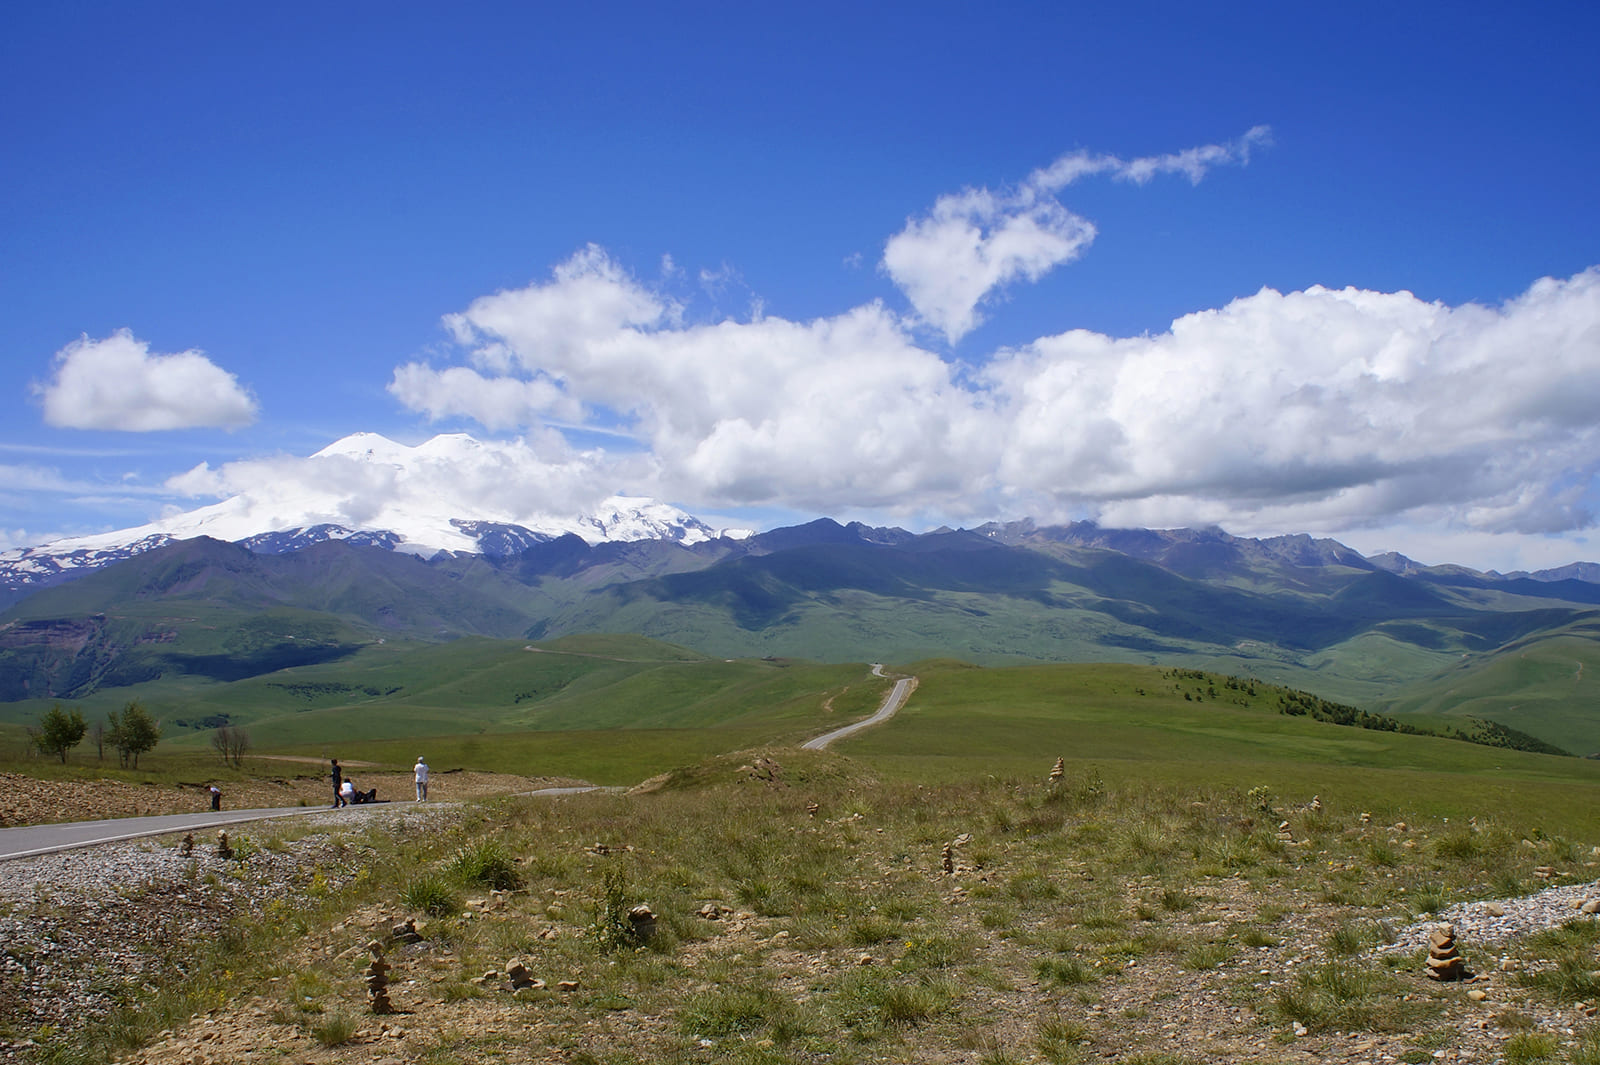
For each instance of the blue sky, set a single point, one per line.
(907, 263)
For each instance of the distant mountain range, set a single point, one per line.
(249, 596)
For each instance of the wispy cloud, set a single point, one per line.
(116, 383)
(975, 243)
(28, 478)
(69, 452)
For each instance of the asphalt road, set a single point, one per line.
(42, 839)
(891, 703)
(29, 840)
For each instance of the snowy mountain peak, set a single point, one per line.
(452, 493)
(373, 447)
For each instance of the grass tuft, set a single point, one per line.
(485, 863)
(431, 894)
(335, 1029)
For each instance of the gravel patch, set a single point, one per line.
(80, 930)
(1498, 921)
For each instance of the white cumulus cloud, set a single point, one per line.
(116, 383)
(1315, 410)
(1319, 409)
(745, 412)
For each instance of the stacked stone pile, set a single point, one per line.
(1058, 771)
(1444, 961)
(377, 978)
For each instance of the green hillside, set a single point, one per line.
(1135, 723)
(505, 697)
(1546, 685)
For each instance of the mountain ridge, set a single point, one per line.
(420, 510)
(1294, 610)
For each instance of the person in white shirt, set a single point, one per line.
(421, 773)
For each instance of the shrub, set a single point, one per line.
(609, 926)
(873, 999)
(1207, 955)
(1430, 898)
(1587, 1049)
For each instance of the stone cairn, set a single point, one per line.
(811, 809)
(642, 922)
(1285, 833)
(186, 848)
(377, 977)
(223, 849)
(1444, 961)
(1058, 771)
(947, 857)
(406, 932)
(1316, 804)
(521, 979)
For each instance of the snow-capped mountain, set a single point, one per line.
(452, 493)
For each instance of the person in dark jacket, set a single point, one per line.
(338, 783)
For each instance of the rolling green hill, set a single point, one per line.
(504, 699)
(1545, 683)
(1133, 722)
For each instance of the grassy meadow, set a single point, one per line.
(924, 893)
(819, 911)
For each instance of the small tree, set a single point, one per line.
(133, 731)
(231, 743)
(97, 733)
(59, 731)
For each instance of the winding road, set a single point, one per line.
(29, 840)
(891, 704)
